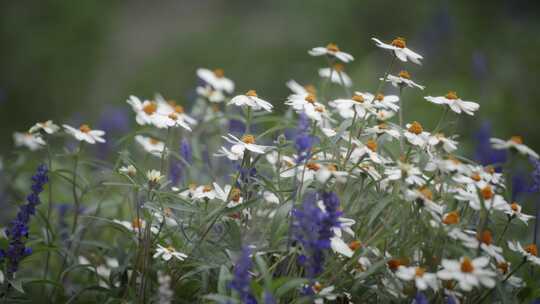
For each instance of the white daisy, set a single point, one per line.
(475, 195)
(296, 88)
(147, 113)
(239, 146)
(48, 127)
(31, 141)
(331, 50)
(468, 273)
(515, 142)
(84, 133)
(129, 170)
(251, 100)
(150, 145)
(381, 101)
(216, 79)
(403, 80)
(411, 174)
(422, 279)
(154, 176)
(416, 135)
(530, 252)
(448, 144)
(381, 129)
(359, 102)
(399, 47)
(135, 225)
(369, 149)
(455, 103)
(336, 74)
(307, 103)
(175, 113)
(484, 240)
(211, 94)
(515, 212)
(167, 253)
(322, 294)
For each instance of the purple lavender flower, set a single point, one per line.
(312, 228)
(185, 151)
(236, 126)
(484, 153)
(535, 175)
(18, 230)
(303, 140)
(241, 279)
(420, 298)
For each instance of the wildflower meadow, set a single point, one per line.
(338, 197)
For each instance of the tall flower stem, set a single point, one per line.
(74, 190)
(49, 211)
(400, 121)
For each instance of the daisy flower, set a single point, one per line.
(336, 74)
(422, 279)
(530, 252)
(239, 146)
(331, 50)
(129, 170)
(234, 199)
(167, 253)
(449, 145)
(307, 103)
(84, 133)
(416, 135)
(48, 127)
(399, 47)
(515, 142)
(150, 145)
(491, 200)
(328, 171)
(205, 192)
(384, 102)
(154, 177)
(403, 80)
(175, 113)
(325, 293)
(483, 240)
(411, 174)
(381, 129)
(216, 79)
(515, 212)
(455, 103)
(31, 141)
(369, 149)
(147, 113)
(359, 103)
(135, 225)
(468, 273)
(210, 93)
(424, 197)
(251, 100)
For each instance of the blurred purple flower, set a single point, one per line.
(114, 121)
(420, 298)
(535, 175)
(241, 277)
(236, 126)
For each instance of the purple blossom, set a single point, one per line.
(312, 229)
(303, 140)
(535, 175)
(420, 298)
(18, 230)
(185, 151)
(242, 279)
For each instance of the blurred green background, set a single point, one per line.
(79, 60)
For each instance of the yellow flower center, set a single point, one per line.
(179, 109)
(235, 195)
(331, 168)
(532, 249)
(451, 218)
(416, 128)
(489, 169)
(517, 139)
(170, 249)
(219, 73)
(317, 287)
(487, 192)
(358, 98)
(173, 116)
(153, 141)
(339, 67)
(379, 97)
(136, 223)
(310, 98)
(85, 128)
(485, 237)
(420, 272)
(514, 206)
(466, 265)
(383, 126)
(248, 139)
(451, 95)
(167, 212)
(372, 145)
(399, 42)
(319, 109)
(354, 245)
(251, 93)
(332, 47)
(310, 89)
(503, 267)
(150, 108)
(404, 74)
(207, 188)
(476, 177)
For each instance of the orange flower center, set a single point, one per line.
(339, 67)
(489, 169)
(248, 139)
(167, 212)
(476, 177)
(514, 206)
(173, 116)
(420, 271)
(251, 93)
(485, 237)
(358, 98)
(154, 141)
(379, 97)
(426, 193)
(393, 264)
(310, 98)
(487, 192)
(317, 287)
(136, 223)
(310, 89)
(383, 126)
(354, 245)
(451, 218)
(451, 95)
(532, 249)
(319, 109)
(416, 128)
(331, 168)
(179, 109)
(85, 128)
(313, 166)
(150, 108)
(503, 266)
(466, 265)
(207, 188)
(219, 73)
(399, 42)
(170, 249)
(372, 145)
(332, 47)
(517, 139)
(404, 74)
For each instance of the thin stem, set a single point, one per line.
(49, 211)
(504, 231)
(439, 124)
(400, 122)
(74, 189)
